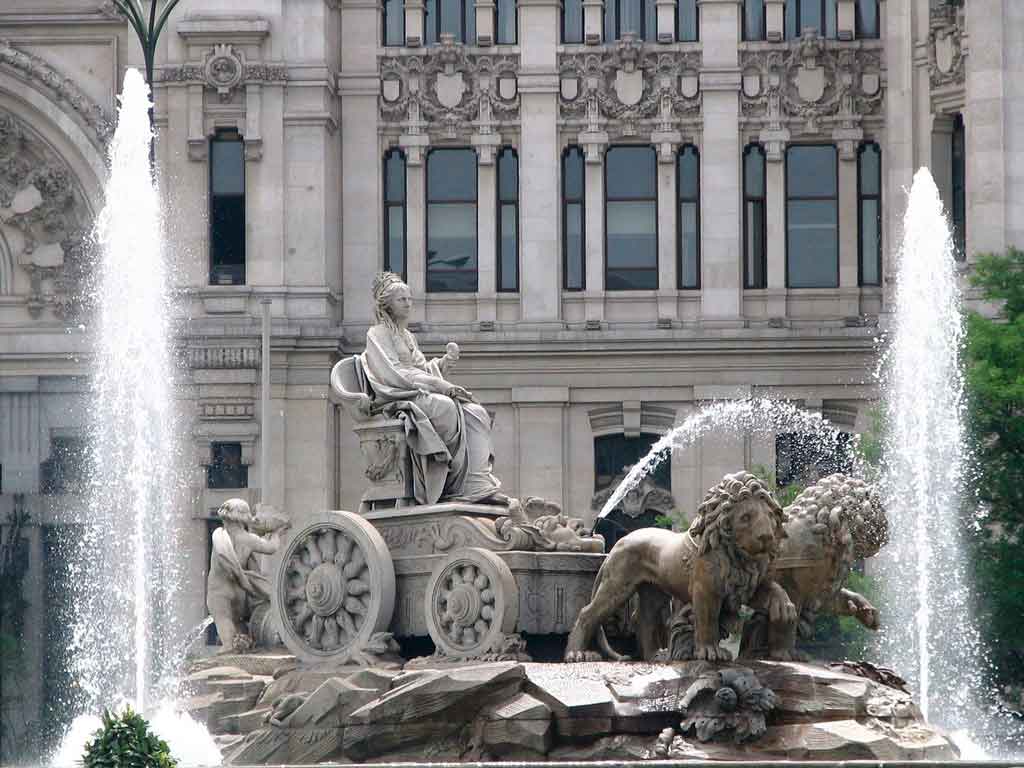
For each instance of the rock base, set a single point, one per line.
(532, 711)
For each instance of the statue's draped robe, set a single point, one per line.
(449, 441)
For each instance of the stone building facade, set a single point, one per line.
(620, 209)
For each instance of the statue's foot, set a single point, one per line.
(578, 657)
(711, 653)
(498, 500)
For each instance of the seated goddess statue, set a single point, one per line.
(448, 433)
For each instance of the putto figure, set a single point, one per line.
(235, 585)
(447, 431)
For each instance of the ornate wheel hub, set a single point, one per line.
(472, 603)
(335, 587)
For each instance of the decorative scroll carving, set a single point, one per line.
(450, 88)
(64, 89)
(627, 85)
(46, 219)
(813, 82)
(945, 47)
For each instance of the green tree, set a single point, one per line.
(995, 385)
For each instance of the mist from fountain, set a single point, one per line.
(127, 570)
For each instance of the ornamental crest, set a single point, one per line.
(446, 89)
(223, 69)
(628, 87)
(945, 47)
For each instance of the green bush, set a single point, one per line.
(125, 741)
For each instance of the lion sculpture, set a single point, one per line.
(838, 520)
(720, 564)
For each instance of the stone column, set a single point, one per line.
(486, 228)
(416, 226)
(775, 232)
(593, 297)
(668, 257)
(722, 269)
(539, 158)
(1013, 106)
(848, 230)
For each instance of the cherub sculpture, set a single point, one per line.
(235, 585)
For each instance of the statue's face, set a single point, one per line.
(753, 525)
(400, 303)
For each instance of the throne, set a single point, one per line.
(381, 439)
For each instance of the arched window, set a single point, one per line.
(755, 254)
(572, 21)
(631, 218)
(506, 26)
(688, 228)
(869, 206)
(867, 18)
(573, 219)
(451, 220)
(640, 17)
(508, 220)
(687, 21)
(394, 212)
(394, 22)
(227, 209)
(812, 217)
(450, 17)
(959, 165)
(754, 20)
(819, 14)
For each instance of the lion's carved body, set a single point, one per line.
(717, 566)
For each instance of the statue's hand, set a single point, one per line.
(862, 610)
(460, 394)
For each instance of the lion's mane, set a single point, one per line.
(712, 528)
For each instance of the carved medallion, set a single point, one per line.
(224, 69)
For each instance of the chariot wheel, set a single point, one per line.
(335, 588)
(472, 603)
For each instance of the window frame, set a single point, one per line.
(384, 25)
(764, 23)
(680, 200)
(467, 7)
(858, 21)
(499, 204)
(676, 31)
(218, 137)
(958, 183)
(497, 23)
(748, 284)
(581, 201)
(476, 209)
(403, 204)
(641, 34)
(797, 6)
(786, 200)
(656, 269)
(861, 197)
(242, 468)
(562, 15)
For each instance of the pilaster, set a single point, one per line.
(848, 214)
(775, 20)
(414, 23)
(416, 228)
(593, 14)
(487, 266)
(667, 252)
(594, 214)
(846, 19)
(666, 10)
(484, 10)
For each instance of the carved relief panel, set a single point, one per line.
(947, 54)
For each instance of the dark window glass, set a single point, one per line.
(869, 195)
(572, 21)
(573, 229)
(394, 22)
(451, 220)
(227, 209)
(804, 460)
(812, 217)
(755, 254)
(506, 27)
(394, 212)
(614, 454)
(959, 145)
(226, 469)
(631, 226)
(638, 17)
(430, 22)
(867, 18)
(67, 468)
(687, 24)
(819, 14)
(754, 20)
(688, 187)
(508, 220)
(449, 17)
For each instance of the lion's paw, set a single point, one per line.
(711, 653)
(578, 657)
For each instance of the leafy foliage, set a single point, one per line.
(995, 384)
(125, 741)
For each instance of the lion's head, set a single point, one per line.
(739, 511)
(837, 502)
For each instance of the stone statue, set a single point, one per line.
(838, 520)
(447, 431)
(235, 586)
(720, 564)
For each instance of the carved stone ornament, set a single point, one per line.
(95, 119)
(44, 223)
(647, 496)
(447, 90)
(945, 47)
(381, 457)
(223, 69)
(813, 84)
(727, 704)
(625, 87)
(335, 591)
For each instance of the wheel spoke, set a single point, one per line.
(315, 558)
(302, 617)
(357, 587)
(330, 636)
(346, 623)
(344, 549)
(355, 563)
(327, 546)
(354, 606)
(317, 630)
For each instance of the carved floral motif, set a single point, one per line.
(627, 85)
(450, 88)
(812, 82)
